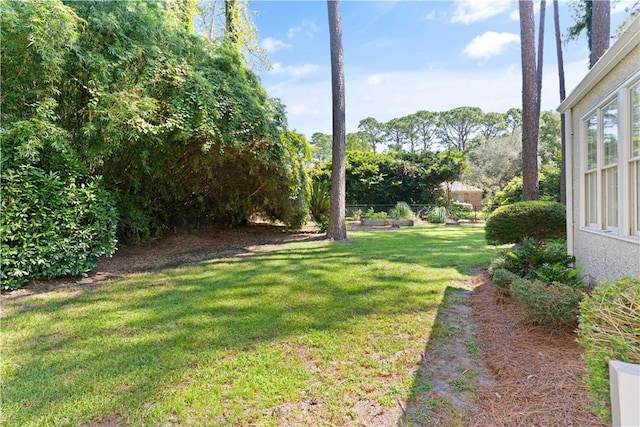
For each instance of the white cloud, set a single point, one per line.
(622, 6)
(468, 11)
(490, 44)
(271, 45)
(306, 28)
(430, 16)
(376, 79)
(295, 71)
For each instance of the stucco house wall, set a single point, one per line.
(601, 253)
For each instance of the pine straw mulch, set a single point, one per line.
(538, 369)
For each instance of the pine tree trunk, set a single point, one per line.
(529, 102)
(600, 30)
(337, 229)
(563, 164)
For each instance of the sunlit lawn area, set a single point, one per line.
(229, 342)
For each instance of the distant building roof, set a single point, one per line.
(457, 186)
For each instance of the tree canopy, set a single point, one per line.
(166, 117)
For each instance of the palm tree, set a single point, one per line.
(337, 229)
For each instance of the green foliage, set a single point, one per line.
(381, 178)
(36, 39)
(549, 180)
(437, 215)
(402, 211)
(319, 203)
(502, 279)
(554, 303)
(56, 220)
(558, 272)
(462, 211)
(372, 214)
(536, 219)
(531, 255)
(166, 117)
(609, 330)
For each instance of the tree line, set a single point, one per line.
(491, 158)
(422, 131)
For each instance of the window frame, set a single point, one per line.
(594, 214)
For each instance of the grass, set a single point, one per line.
(236, 342)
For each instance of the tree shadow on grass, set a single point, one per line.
(143, 341)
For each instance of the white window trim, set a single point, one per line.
(625, 230)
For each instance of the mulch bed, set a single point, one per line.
(538, 369)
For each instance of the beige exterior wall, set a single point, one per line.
(473, 197)
(601, 255)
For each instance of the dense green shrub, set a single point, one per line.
(402, 211)
(554, 303)
(56, 219)
(502, 280)
(609, 329)
(536, 219)
(382, 178)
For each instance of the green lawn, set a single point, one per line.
(307, 331)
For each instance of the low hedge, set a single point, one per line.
(609, 329)
(553, 304)
(536, 219)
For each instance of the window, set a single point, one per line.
(634, 164)
(601, 174)
(611, 164)
(591, 189)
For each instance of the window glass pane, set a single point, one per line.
(635, 120)
(610, 187)
(592, 142)
(590, 202)
(610, 133)
(635, 190)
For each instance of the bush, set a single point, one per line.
(319, 204)
(559, 273)
(437, 215)
(402, 211)
(502, 280)
(56, 219)
(371, 214)
(553, 304)
(536, 219)
(52, 226)
(608, 330)
(529, 256)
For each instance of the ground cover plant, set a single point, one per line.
(315, 332)
(608, 330)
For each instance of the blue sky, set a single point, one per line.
(404, 56)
